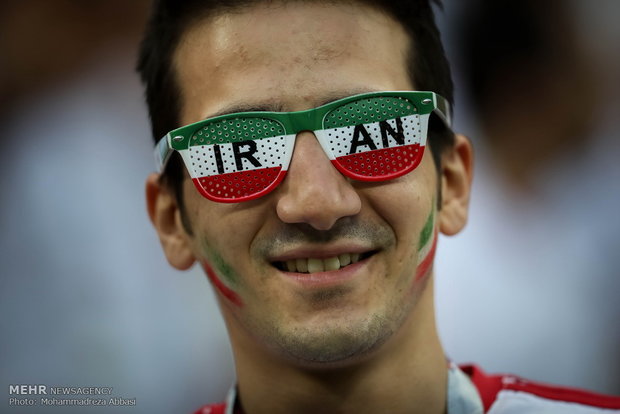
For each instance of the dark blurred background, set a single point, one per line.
(87, 298)
(531, 285)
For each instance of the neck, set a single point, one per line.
(408, 374)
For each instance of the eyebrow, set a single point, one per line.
(276, 107)
(235, 108)
(345, 94)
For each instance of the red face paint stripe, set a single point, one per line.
(427, 262)
(224, 290)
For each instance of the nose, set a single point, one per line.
(314, 192)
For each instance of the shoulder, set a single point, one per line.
(508, 394)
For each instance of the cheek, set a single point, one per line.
(221, 268)
(426, 258)
(217, 282)
(418, 238)
(426, 244)
(222, 251)
(405, 202)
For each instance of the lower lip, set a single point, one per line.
(329, 278)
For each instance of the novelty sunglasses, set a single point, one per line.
(368, 137)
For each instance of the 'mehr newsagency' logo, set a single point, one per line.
(45, 390)
(81, 396)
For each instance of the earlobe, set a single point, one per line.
(165, 215)
(456, 177)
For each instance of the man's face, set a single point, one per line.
(258, 253)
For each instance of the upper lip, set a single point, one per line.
(319, 252)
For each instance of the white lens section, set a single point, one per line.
(340, 141)
(209, 160)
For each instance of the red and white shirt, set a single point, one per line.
(509, 394)
(472, 391)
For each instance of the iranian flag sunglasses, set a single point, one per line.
(368, 137)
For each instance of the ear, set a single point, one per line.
(456, 177)
(166, 218)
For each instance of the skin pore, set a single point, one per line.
(358, 339)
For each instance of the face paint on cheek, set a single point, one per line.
(221, 275)
(228, 293)
(427, 230)
(426, 246)
(427, 261)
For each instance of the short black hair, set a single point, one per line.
(428, 66)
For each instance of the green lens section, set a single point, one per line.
(365, 111)
(235, 130)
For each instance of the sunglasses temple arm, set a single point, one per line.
(163, 151)
(443, 110)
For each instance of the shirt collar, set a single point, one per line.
(463, 397)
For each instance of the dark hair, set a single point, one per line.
(427, 66)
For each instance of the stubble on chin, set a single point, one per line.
(334, 339)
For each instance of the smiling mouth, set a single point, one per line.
(312, 265)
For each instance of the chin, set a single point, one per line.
(332, 343)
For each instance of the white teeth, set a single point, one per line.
(302, 265)
(312, 265)
(345, 259)
(315, 265)
(291, 266)
(333, 263)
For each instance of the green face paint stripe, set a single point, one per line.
(427, 230)
(221, 266)
(426, 264)
(224, 290)
(225, 270)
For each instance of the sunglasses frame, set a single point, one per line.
(295, 122)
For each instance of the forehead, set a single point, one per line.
(288, 56)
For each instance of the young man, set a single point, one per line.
(307, 190)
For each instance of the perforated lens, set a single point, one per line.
(369, 110)
(238, 158)
(375, 138)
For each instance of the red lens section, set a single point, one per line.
(380, 164)
(239, 186)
